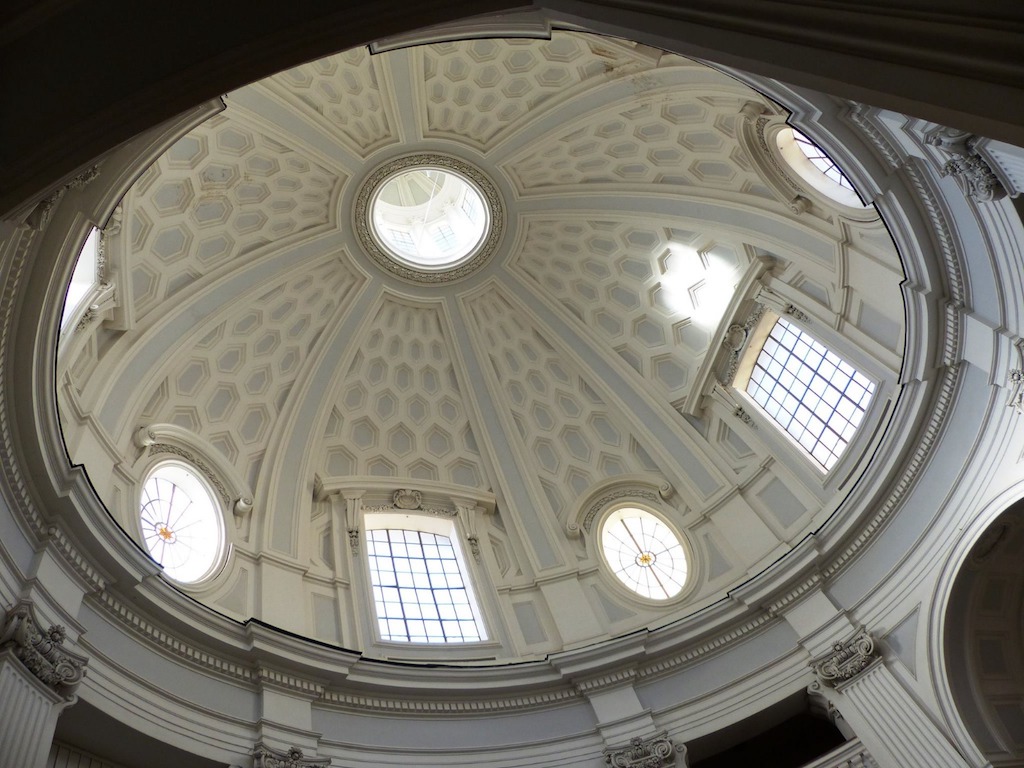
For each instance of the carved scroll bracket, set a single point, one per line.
(966, 165)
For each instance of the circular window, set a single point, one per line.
(428, 217)
(181, 523)
(816, 168)
(644, 553)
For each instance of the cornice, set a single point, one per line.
(420, 706)
(170, 643)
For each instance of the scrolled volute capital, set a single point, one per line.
(847, 659)
(265, 757)
(654, 752)
(42, 651)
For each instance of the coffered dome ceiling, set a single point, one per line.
(254, 334)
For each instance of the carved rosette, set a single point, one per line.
(265, 757)
(655, 752)
(43, 653)
(847, 660)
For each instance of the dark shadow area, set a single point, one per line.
(787, 735)
(85, 727)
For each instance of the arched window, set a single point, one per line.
(181, 521)
(644, 553)
(83, 278)
(420, 590)
(812, 164)
(814, 395)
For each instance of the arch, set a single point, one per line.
(977, 607)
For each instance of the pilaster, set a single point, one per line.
(38, 678)
(892, 725)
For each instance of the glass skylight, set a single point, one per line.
(418, 588)
(818, 171)
(821, 161)
(643, 553)
(428, 217)
(181, 523)
(818, 398)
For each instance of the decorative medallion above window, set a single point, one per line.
(429, 217)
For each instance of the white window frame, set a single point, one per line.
(223, 544)
(749, 364)
(441, 526)
(773, 431)
(609, 516)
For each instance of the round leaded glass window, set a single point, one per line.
(181, 522)
(644, 553)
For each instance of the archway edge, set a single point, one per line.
(944, 595)
(898, 56)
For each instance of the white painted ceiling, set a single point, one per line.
(251, 318)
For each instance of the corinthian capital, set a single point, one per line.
(42, 652)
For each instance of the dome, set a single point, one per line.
(296, 331)
(674, 423)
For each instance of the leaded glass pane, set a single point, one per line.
(812, 393)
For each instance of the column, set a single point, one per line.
(38, 678)
(889, 721)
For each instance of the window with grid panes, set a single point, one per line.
(821, 160)
(444, 236)
(419, 591)
(818, 398)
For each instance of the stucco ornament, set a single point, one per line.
(43, 653)
(655, 752)
(265, 757)
(971, 171)
(406, 498)
(847, 660)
